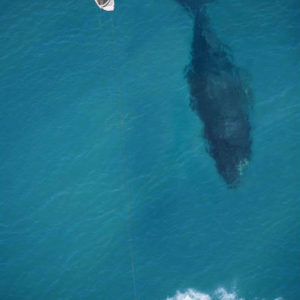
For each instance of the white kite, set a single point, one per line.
(108, 5)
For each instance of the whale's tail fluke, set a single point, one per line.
(193, 6)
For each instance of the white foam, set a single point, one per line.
(190, 294)
(218, 294)
(222, 294)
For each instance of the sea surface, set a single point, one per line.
(106, 189)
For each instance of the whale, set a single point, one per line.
(220, 96)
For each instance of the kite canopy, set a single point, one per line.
(107, 5)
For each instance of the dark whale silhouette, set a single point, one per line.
(219, 96)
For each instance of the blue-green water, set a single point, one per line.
(104, 175)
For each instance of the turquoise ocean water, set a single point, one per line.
(106, 189)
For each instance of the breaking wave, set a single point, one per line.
(219, 294)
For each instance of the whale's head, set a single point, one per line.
(229, 143)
